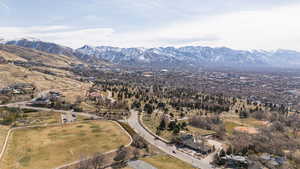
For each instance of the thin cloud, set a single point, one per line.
(266, 29)
(64, 35)
(4, 9)
(3, 5)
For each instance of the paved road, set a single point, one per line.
(48, 125)
(134, 123)
(138, 164)
(22, 105)
(169, 149)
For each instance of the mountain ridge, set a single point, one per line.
(187, 56)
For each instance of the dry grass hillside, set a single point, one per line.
(11, 52)
(58, 79)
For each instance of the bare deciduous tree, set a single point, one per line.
(121, 154)
(97, 161)
(83, 164)
(136, 153)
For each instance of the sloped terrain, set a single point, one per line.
(43, 70)
(56, 49)
(11, 52)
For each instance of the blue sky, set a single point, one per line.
(239, 24)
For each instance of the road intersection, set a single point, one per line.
(133, 121)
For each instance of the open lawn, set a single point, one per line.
(167, 162)
(49, 147)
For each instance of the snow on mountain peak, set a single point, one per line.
(169, 56)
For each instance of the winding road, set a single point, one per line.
(170, 149)
(133, 121)
(23, 106)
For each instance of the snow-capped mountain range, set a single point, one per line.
(191, 56)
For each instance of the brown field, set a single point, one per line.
(167, 162)
(10, 74)
(198, 131)
(10, 56)
(48, 147)
(3, 133)
(39, 118)
(63, 81)
(248, 125)
(249, 130)
(11, 52)
(229, 126)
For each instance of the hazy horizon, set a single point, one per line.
(267, 25)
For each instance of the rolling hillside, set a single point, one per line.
(43, 70)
